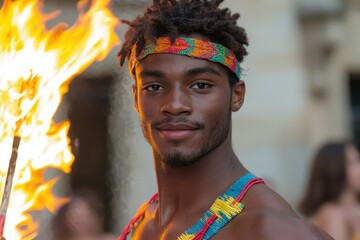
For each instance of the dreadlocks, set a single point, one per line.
(174, 18)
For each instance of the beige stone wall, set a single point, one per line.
(268, 131)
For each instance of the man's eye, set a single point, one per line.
(201, 85)
(154, 87)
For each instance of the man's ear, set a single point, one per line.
(238, 95)
(135, 97)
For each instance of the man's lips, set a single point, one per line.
(176, 131)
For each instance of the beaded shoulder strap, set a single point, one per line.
(226, 207)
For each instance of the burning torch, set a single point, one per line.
(27, 90)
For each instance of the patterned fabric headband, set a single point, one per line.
(191, 47)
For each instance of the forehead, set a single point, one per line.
(173, 64)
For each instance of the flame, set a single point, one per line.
(36, 65)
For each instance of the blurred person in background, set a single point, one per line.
(80, 219)
(332, 195)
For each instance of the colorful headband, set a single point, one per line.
(192, 47)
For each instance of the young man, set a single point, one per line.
(184, 56)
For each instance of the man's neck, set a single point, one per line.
(194, 188)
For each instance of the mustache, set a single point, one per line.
(177, 120)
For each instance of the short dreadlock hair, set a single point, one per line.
(174, 18)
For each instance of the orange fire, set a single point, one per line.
(36, 65)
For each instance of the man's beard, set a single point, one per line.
(217, 134)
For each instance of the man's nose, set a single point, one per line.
(177, 102)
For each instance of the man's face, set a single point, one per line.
(185, 106)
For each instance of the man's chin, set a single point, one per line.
(178, 159)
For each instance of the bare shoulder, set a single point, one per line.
(332, 219)
(269, 216)
(275, 224)
(329, 212)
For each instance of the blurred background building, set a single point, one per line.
(303, 88)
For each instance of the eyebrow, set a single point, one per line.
(200, 70)
(151, 73)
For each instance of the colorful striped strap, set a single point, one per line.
(138, 217)
(192, 47)
(225, 208)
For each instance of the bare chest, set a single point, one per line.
(148, 231)
(173, 234)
